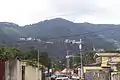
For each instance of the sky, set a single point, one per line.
(25, 12)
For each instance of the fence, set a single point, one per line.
(115, 76)
(97, 75)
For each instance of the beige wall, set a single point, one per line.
(13, 70)
(105, 61)
(31, 73)
(87, 68)
(115, 59)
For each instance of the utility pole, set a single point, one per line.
(73, 62)
(68, 60)
(80, 48)
(38, 65)
(94, 48)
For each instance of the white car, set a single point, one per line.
(62, 77)
(75, 77)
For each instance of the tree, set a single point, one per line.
(7, 53)
(32, 55)
(87, 58)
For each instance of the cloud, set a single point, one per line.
(94, 11)
(24, 11)
(31, 11)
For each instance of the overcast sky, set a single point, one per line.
(24, 12)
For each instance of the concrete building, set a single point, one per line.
(105, 68)
(111, 60)
(10, 70)
(15, 70)
(31, 73)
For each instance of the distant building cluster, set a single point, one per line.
(74, 42)
(35, 39)
(70, 41)
(29, 39)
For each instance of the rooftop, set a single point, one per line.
(107, 54)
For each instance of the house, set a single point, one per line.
(111, 60)
(22, 39)
(29, 38)
(106, 64)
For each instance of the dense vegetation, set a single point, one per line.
(30, 56)
(88, 59)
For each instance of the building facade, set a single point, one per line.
(107, 67)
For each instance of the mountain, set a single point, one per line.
(8, 32)
(58, 30)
